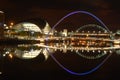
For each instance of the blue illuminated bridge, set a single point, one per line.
(89, 41)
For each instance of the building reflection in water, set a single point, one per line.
(26, 51)
(27, 41)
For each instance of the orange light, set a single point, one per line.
(11, 23)
(10, 55)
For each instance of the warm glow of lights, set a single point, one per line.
(7, 27)
(45, 53)
(87, 35)
(11, 23)
(29, 24)
(30, 27)
(72, 39)
(10, 55)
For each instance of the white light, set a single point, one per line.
(87, 50)
(93, 31)
(77, 31)
(76, 50)
(4, 55)
(99, 51)
(31, 54)
(7, 52)
(1, 12)
(105, 31)
(31, 27)
(6, 27)
(105, 52)
(0, 72)
(29, 24)
(99, 31)
(110, 51)
(82, 50)
(47, 24)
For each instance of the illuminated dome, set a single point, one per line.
(27, 51)
(30, 29)
(25, 30)
(27, 54)
(27, 26)
(32, 51)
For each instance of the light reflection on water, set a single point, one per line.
(31, 52)
(78, 51)
(24, 51)
(36, 57)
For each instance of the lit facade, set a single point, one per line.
(24, 30)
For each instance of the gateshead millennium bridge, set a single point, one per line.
(89, 41)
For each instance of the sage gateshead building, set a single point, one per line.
(29, 29)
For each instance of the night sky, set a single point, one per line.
(54, 10)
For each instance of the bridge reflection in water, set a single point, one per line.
(79, 52)
(72, 51)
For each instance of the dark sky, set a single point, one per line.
(53, 10)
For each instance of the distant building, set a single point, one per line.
(24, 30)
(47, 29)
(65, 32)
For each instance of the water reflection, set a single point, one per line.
(27, 41)
(26, 51)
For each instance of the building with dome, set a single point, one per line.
(24, 30)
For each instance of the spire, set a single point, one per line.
(47, 28)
